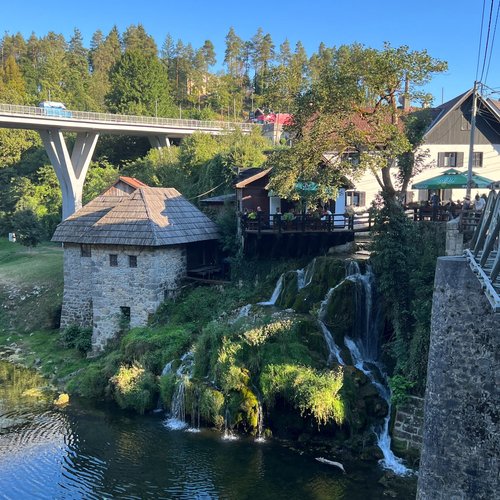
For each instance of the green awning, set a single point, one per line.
(453, 179)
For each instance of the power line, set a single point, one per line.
(492, 43)
(487, 39)
(480, 40)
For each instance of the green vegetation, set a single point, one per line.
(134, 388)
(405, 261)
(313, 393)
(77, 338)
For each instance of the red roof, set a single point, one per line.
(132, 181)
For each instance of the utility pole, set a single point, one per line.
(471, 142)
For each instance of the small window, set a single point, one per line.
(132, 261)
(355, 198)
(465, 125)
(124, 318)
(352, 157)
(113, 260)
(450, 159)
(85, 251)
(477, 161)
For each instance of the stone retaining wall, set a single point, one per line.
(409, 425)
(461, 443)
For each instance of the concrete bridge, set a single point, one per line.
(71, 169)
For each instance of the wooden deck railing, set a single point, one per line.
(483, 254)
(279, 223)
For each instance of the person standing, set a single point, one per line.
(479, 202)
(435, 200)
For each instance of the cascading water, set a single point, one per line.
(365, 352)
(275, 295)
(177, 419)
(333, 349)
(167, 368)
(260, 423)
(305, 275)
(228, 435)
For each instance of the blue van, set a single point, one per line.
(53, 108)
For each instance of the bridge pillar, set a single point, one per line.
(70, 170)
(159, 141)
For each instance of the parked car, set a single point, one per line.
(53, 108)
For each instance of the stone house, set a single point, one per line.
(125, 252)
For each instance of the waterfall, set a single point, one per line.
(177, 419)
(305, 275)
(333, 349)
(365, 351)
(244, 311)
(260, 417)
(228, 435)
(275, 295)
(167, 368)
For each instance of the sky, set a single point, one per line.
(448, 29)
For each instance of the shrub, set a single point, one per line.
(91, 383)
(167, 389)
(310, 391)
(211, 406)
(29, 230)
(153, 348)
(77, 337)
(400, 387)
(134, 388)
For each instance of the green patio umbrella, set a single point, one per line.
(453, 179)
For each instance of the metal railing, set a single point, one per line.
(483, 254)
(70, 115)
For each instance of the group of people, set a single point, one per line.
(453, 208)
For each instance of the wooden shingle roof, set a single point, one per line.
(147, 217)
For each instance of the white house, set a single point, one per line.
(446, 144)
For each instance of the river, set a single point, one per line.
(88, 451)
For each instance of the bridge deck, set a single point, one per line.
(32, 117)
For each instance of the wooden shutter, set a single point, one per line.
(440, 160)
(460, 160)
(362, 198)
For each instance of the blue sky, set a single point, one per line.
(448, 29)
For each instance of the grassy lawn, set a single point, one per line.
(31, 284)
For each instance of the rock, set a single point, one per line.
(62, 400)
(390, 493)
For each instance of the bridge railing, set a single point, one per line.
(17, 109)
(483, 254)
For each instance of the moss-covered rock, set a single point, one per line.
(341, 315)
(327, 273)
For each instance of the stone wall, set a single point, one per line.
(77, 295)
(454, 238)
(409, 425)
(461, 442)
(92, 284)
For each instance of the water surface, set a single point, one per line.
(83, 451)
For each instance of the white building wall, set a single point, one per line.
(491, 169)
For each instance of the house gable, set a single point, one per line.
(453, 125)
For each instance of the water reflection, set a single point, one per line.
(88, 452)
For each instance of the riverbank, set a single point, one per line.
(254, 369)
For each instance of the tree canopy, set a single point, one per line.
(351, 106)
